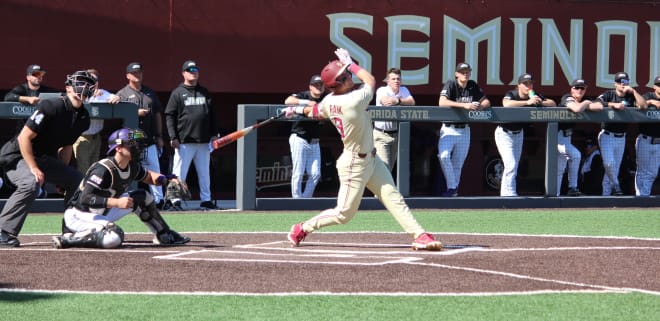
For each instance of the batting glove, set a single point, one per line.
(291, 111)
(343, 56)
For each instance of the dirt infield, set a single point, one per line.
(372, 263)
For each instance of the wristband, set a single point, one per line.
(354, 68)
(303, 102)
(161, 180)
(299, 110)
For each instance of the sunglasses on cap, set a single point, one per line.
(624, 81)
(192, 69)
(37, 74)
(578, 88)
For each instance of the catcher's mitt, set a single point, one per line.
(177, 189)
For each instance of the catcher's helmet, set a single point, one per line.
(84, 83)
(331, 72)
(135, 139)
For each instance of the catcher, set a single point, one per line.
(102, 199)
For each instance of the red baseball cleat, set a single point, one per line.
(297, 234)
(425, 241)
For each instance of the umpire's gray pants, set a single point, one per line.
(16, 208)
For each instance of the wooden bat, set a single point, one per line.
(234, 136)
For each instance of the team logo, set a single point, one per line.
(480, 114)
(96, 179)
(610, 114)
(22, 110)
(95, 111)
(494, 170)
(653, 114)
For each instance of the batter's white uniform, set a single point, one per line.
(358, 166)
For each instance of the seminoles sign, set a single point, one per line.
(568, 49)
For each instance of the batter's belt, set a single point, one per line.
(363, 155)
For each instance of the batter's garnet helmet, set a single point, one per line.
(84, 84)
(331, 72)
(135, 139)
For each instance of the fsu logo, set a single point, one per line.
(494, 170)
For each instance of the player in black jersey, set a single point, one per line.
(102, 198)
(42, 151)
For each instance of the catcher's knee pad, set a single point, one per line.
(112, 236)
(141, 198)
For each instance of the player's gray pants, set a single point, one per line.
(509, 146)
(387, 147)
(305, 157)
(648, 162)
(611, 150)
(567, 154)
(56, 172)
(453, 147)
(151, 163)
(199, 154)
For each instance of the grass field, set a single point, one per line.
(642, 223)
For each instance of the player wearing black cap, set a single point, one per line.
(647, 146)
(28, 92)
(42, 150)
(612, 137)
(304, 142)
(150, 112)
(569, 155)
(190, 119)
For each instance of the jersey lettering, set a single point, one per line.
(339, 125)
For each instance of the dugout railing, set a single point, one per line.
(246, 165)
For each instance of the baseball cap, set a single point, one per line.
(134, 67)
(621, 77)
(189, 64)
(656, 81)
(35, 68)
(579, 83)
(316, 79)
(525, 77)
(463, 66)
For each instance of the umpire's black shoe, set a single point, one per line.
(7, 240)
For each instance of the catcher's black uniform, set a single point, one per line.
(103, 180)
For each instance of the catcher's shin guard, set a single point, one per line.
(151, 217)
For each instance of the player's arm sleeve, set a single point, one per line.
(98, 180)
(14, 94)
(171, 114)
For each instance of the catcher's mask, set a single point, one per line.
(334, 74)
(134, 139)
(84, 84)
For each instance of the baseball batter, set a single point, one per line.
(647, 146)
(358, 166)
(612, 137)
(101, 199)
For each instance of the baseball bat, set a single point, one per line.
(234, 136)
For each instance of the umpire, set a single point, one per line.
(41, 152)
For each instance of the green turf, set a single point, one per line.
(570, 306)
(72, 307)
(592, 222)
